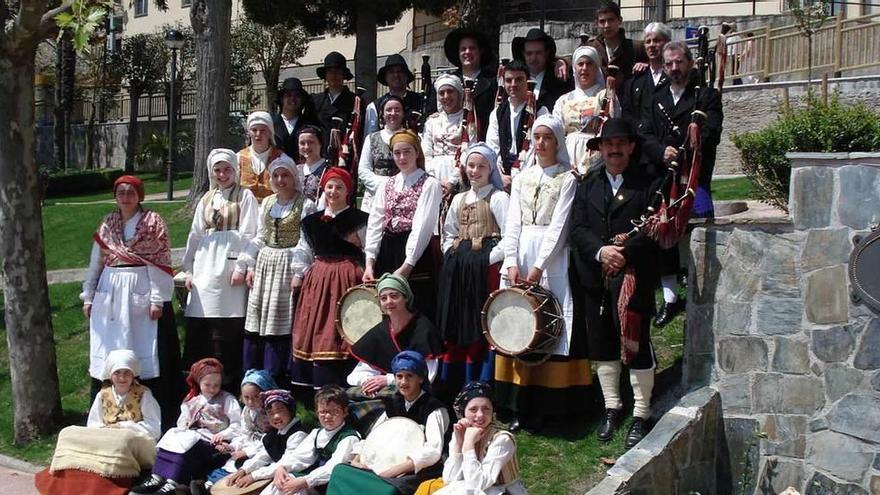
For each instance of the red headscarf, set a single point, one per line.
(134, 182)
(339, 174)
(199, 370)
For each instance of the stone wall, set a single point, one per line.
(771, 326)
(685, 452)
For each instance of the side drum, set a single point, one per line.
(524, 322)
(357, 311)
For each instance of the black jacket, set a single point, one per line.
(657, 132)
(287, 141)
(342, 108)
(484, 99)
(627, 54)
(638, 93)
(552, 88)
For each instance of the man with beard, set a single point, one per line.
(613, 45)
(296, 110)
(664, 127)
(606, 257)
(538, 50)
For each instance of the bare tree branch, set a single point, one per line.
(48, 26)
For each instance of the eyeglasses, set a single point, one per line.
(329, 412)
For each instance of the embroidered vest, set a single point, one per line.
(539, 195)
(476, 222)
(130, 409)
(381, 157)
(402, 205)
(576, 112)
(282, 232)
(226, 217)
(258, 184)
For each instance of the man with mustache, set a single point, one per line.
(663, 127)
(606, 202)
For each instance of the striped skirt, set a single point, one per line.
(270, 303)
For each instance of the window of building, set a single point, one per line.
(140, 8)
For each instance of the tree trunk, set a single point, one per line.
(34, 376)
(365, 52)
(484, 15)
(131, 144)
(271, 76)
(68, 92)
(211, 22)
(59, 147)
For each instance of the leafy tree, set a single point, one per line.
(809, 16)
(356, 17)
(141, 68)
(271, 47)
(103, 79)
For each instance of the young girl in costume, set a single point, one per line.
(376, 164)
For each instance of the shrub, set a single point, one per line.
(77, 182)
(820, 127)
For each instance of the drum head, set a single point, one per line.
(389, 443)
(357, 312)
(510, 318)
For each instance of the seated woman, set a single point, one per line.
(186, 452)
(118, 441)
(402, 328)
(413, 401)
(482, 457)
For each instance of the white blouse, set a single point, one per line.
(261, 466)
(248, 222)
(370, 180)
(424, 219)
(161, 283)
(498, 203)
(555, 234)
(463, 473)
(248, 260)
(151, 425)
(440, 140)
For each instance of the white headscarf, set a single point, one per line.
(448, 80)
(553, 123)
(286, 162)
(218, 155)
(261, 117)
(587, 51)
(481, 148)
(121, 359)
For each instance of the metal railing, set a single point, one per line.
(523, 11)
(429, 33)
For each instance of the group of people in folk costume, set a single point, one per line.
(447, 217)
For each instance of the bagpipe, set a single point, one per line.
(342, 150)
(467, 128)
(500, 93)
(416, 118)
(665, 221)
(526, 130)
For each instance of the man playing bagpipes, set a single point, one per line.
(470, 51)
(396, 75)
(336, 100)
(665, 129)
(616, 269)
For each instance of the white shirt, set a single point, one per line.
(498, 203)
(306, 453)
(161, 283)
(333, 96)
(616, 181)
(676, 94)
(424, 219)
(151, 425)
(555, 235)
(290, 124)
(248, 222)
(370, 180)
(261, 466)
(493, 138)
(258, 160)
(463, 470)
(656, 74)
(429, 453)
(539, 81)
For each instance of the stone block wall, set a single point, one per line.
(770, 325)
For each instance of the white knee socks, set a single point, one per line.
(609, 380)
(643, 384)
(669, 284)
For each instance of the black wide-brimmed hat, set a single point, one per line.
(291, 84)
(391, 61)
(614, 128)
(450, 46)
(334, 60)
(518, 45)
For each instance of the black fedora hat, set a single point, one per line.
(614, 128)
(291, 84)
(391, 61)
(450, 46)
(334, 60)
(518, 45)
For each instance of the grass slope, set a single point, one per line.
(153, 184)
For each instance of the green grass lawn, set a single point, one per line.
(153, 184)
(737, 188)
(565, 458)
(68, 230)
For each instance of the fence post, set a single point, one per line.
(767, 52)
(838, 41)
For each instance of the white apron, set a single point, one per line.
(212, 296)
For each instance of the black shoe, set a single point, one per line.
(610, 423)
(150, 485)
(167, 489)
(197, 487)
(637, 432)
(668, 312)
(514, 425)
(535, 425)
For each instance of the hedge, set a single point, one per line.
(79, 182)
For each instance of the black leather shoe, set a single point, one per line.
(148, 486)
(167, 489)
(668, 312)
(609, 424)
(514, 425)
(637, 432)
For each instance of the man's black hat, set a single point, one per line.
(613, 128)
(335, 60)
(391, 61)
(291, 84)
(450, 46)
(518, 45)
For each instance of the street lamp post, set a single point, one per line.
(174, 41)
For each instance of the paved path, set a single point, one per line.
(17, 477)
(179, 196)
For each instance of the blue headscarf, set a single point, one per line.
(483, 149)
(260, 378)
(413, 362)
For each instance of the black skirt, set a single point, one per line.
(463, 289)
(422, 280)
